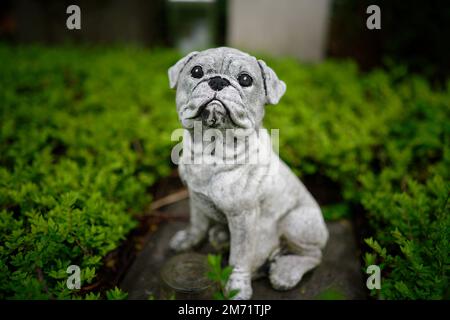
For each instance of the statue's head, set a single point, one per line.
(224, 88)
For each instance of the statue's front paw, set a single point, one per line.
(182, 241)
(242, 283)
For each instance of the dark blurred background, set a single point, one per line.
(414, 33)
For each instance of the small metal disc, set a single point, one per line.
(186, 273)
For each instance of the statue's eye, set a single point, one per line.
(245, 80)
(197, 72)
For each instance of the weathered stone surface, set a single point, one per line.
(338, 276)
(234, 176)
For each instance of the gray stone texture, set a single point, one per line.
(267, 211)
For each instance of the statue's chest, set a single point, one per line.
(227, 188)
(198, 177)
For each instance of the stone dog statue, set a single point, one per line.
(265, 210)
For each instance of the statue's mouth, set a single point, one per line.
(216, 111)
(204, 106)
(214, 114)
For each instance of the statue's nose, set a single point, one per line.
(218, 83)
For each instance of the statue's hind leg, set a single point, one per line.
(306, 234)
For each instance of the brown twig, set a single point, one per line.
(164, 216)
(41, 279)
(90, 287)
(170, 199)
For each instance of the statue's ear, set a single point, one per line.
(175, 70)
(275, 88)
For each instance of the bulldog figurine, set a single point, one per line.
(263, 210)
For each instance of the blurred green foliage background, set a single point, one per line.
(85, 132)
